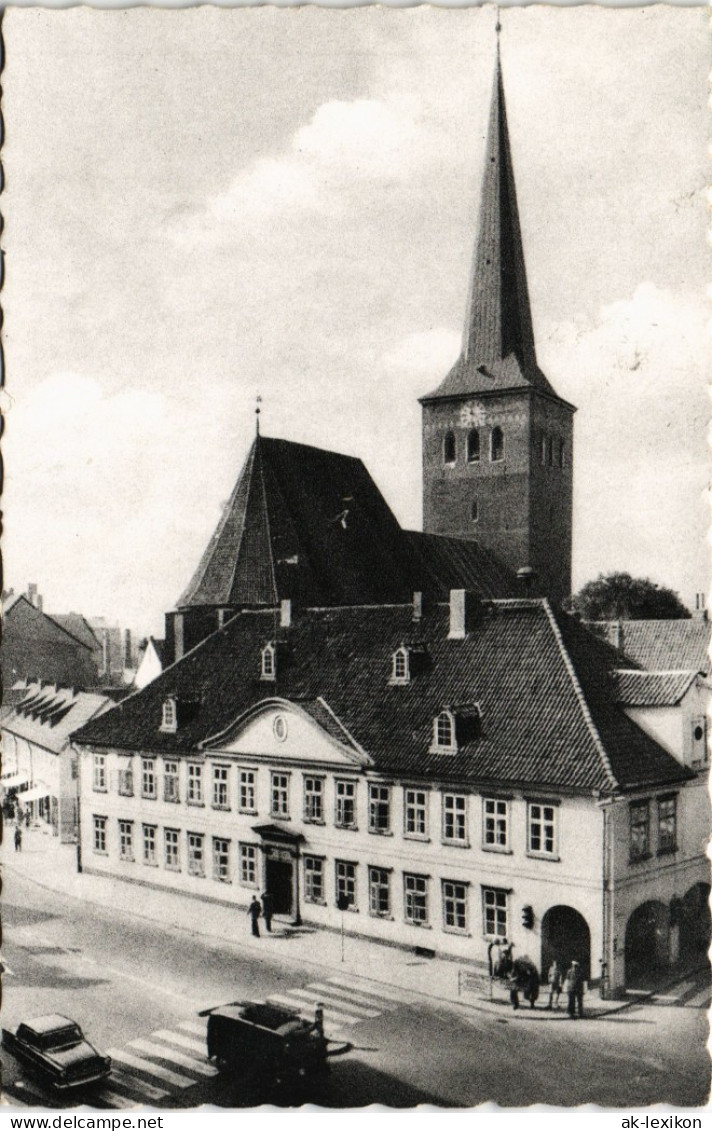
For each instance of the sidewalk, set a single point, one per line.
(49, 864)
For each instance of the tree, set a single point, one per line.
(618, 596)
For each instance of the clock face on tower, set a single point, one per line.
(472, 415)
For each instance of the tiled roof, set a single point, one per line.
(46, 716)
(651, 689)
(549, 719)
(312, 525)
(76, 625)
(661, 645)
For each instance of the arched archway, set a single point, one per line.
(695, 921)
(647, 941)
(565, 936)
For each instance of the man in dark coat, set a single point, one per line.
(267, 909)
(254, 911)
(18, 839)
(573, 988)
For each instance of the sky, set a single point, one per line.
(208, 205)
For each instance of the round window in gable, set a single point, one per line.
(279, 726)
(699, 734)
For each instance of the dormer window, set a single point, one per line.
(444, 732)
(454, 727)
(169, 723)
(401, 666)
(449, 448)
(269, 662)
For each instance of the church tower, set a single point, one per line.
(497, 440)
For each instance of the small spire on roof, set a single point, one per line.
(258, 402)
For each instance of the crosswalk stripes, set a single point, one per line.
(346, 1002)
(151, 1068)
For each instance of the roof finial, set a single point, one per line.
(498, 28)
(258, 402)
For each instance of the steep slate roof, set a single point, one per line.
(46, 716)
(498, 349)
(652, 689)
(312, 525)
(76, 625)
(542, 682)
(661, 645)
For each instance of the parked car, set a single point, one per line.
(56, 1049)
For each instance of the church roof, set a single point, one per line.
(312, 525)
(498, 349)
(548, 716)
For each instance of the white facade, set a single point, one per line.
(280, 804)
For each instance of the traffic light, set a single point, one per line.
(528, 916)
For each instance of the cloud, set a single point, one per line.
(361, 139)
(429, 351)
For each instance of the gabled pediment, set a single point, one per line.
(280, 730)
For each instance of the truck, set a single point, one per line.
(264, 1045)
(55, 1049)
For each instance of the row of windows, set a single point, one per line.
(541, 817)
(153, 846)
(640, 827)
(552, 451)
(473, 446)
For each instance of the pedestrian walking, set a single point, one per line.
(18, 839)
(267, 909)
(254, 911)
(573, 988)
(27, 818)
(554, 980)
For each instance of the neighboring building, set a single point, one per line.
(39, 764)
(661, 645)
(36, 646)
(150, 664)
(454, 774)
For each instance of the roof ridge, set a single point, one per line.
(347, 732)
(585, 709)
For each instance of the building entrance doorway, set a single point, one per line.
(278, 877)
(646, 942)
(565, 936)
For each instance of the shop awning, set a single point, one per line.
(34, 794)
(12, 781)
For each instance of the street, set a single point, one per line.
(137, 989)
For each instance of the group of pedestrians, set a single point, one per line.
(571, 983)
(264, 910)
(524, 980)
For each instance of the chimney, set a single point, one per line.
(463, 612)
(700, 612)
(104, 653)
(127, 648)
(617, 635)
(39, 602)
(32, 594)
(285, 613)
(417, 606)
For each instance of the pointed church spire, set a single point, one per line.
(499, 321)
